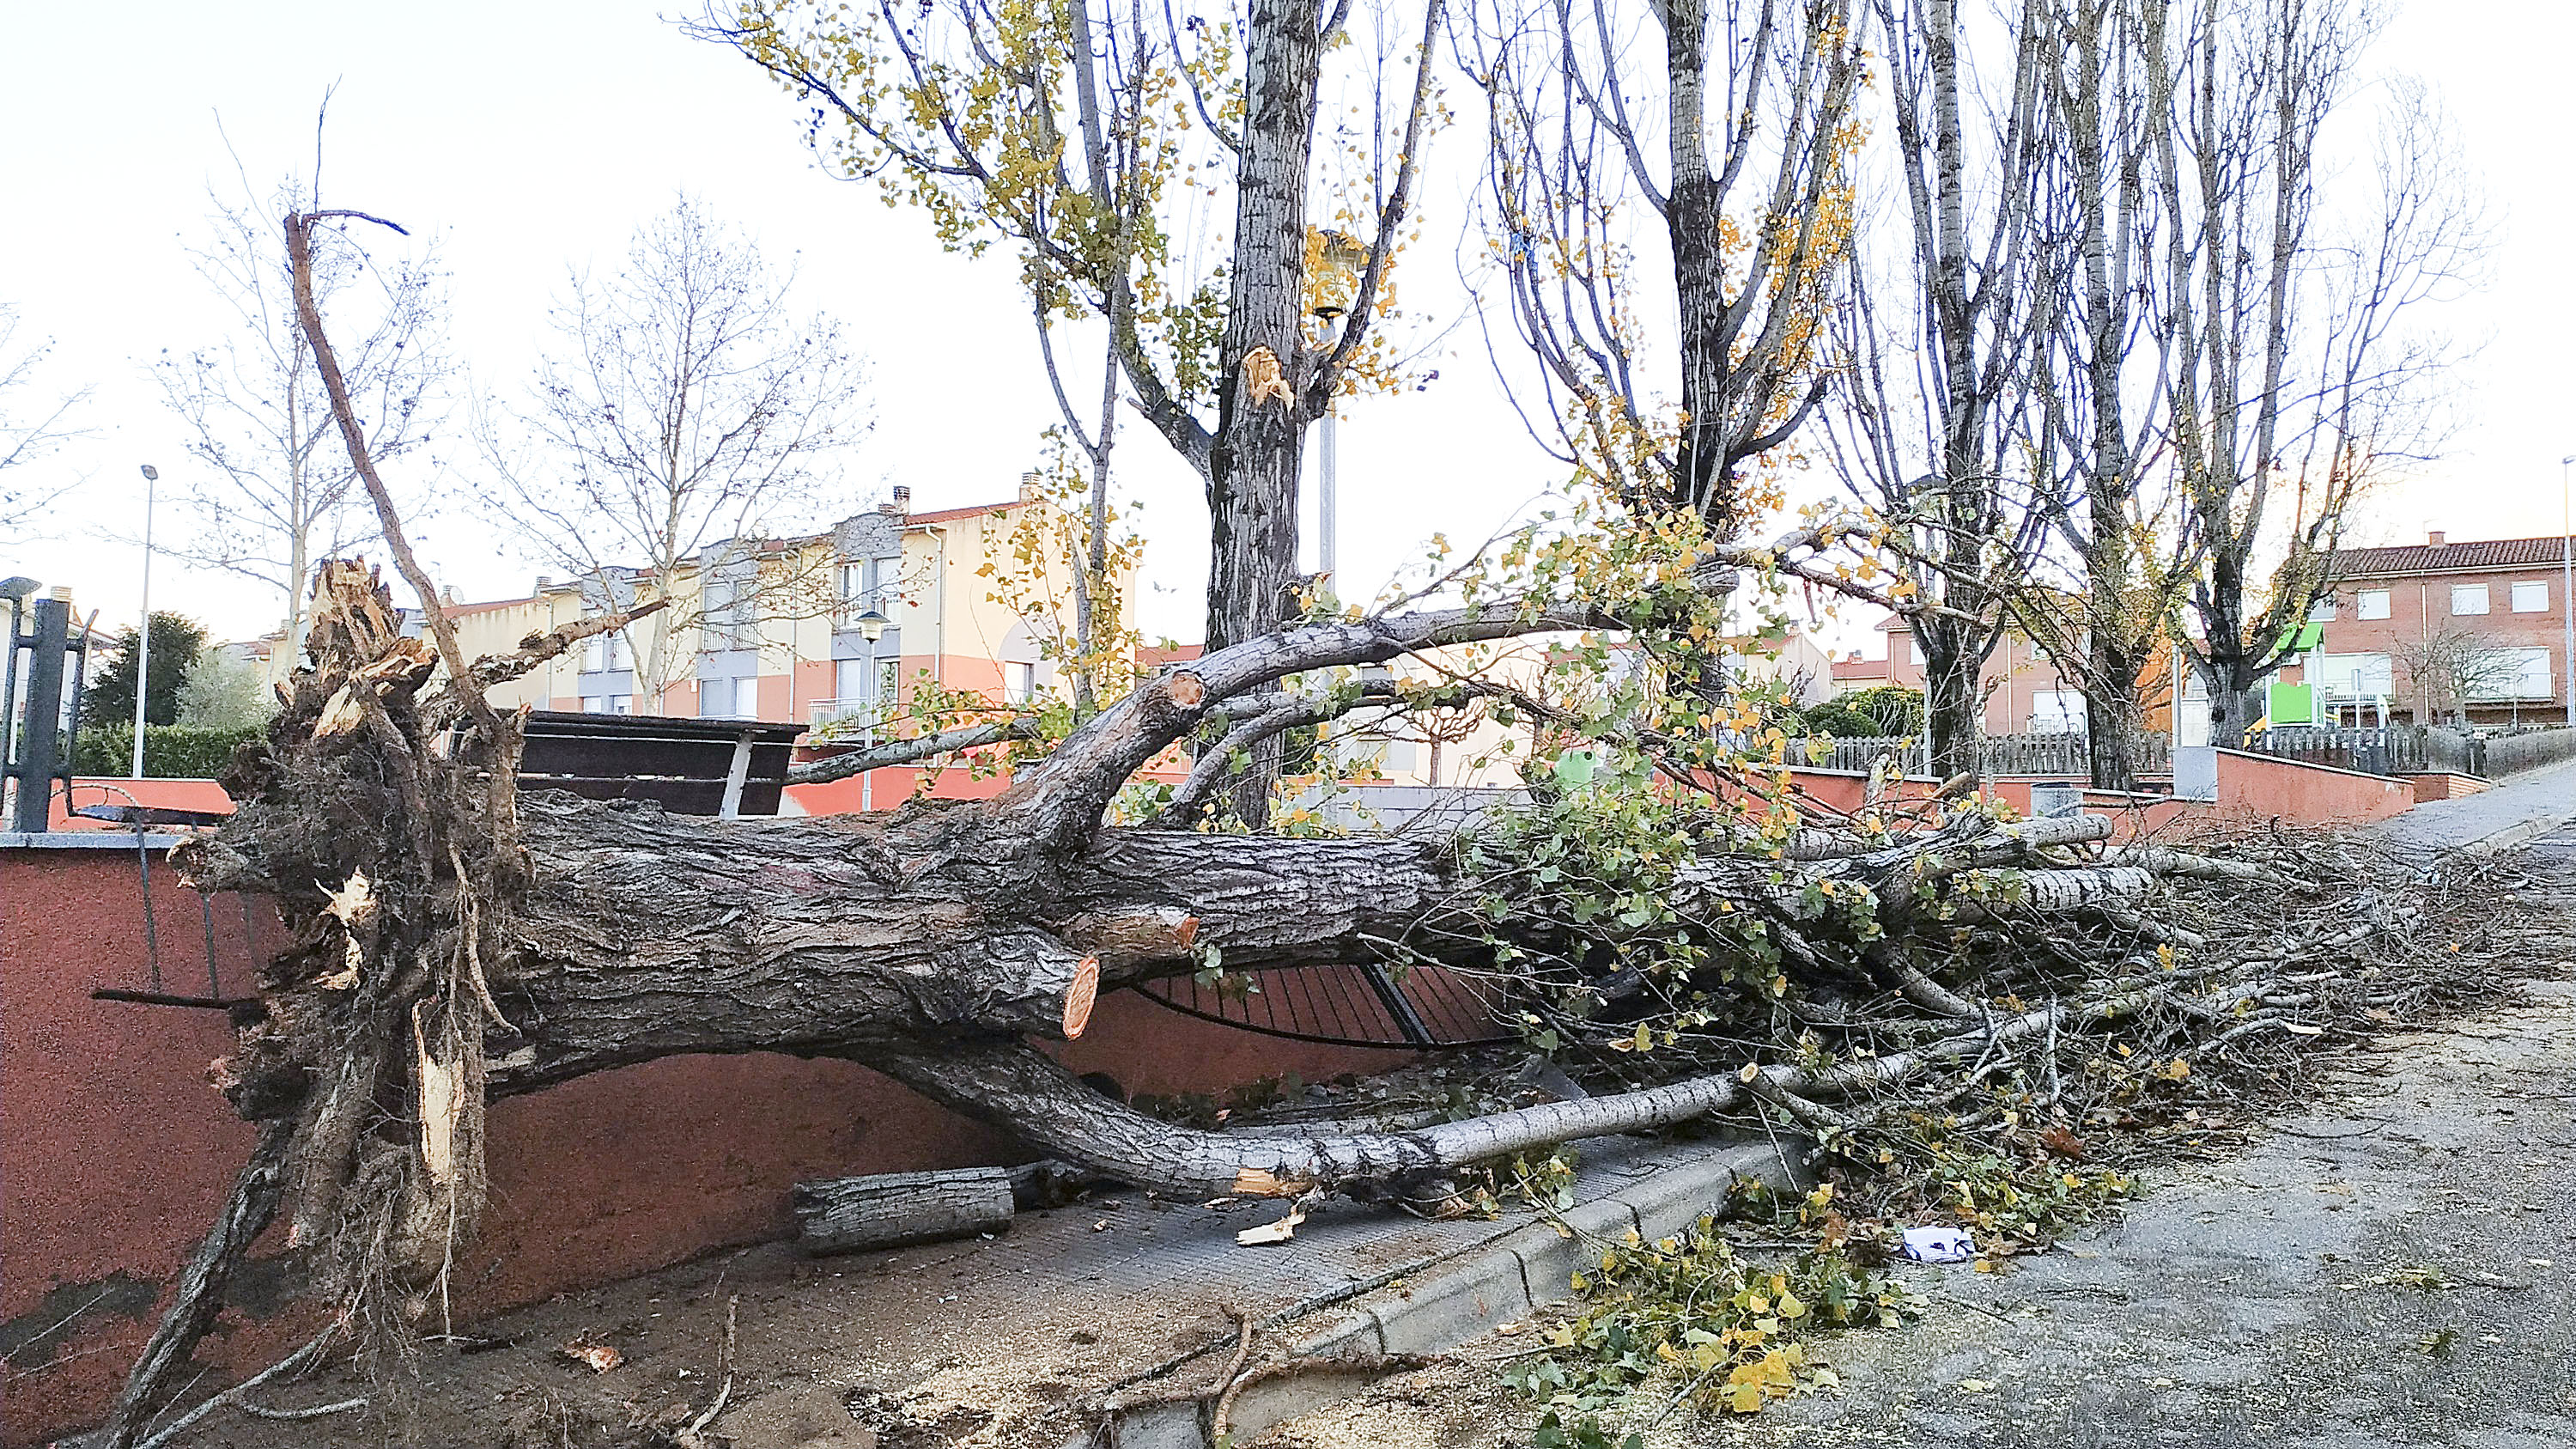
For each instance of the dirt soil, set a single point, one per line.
(983, 1342)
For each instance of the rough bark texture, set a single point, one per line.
(1252, 478)
(846, 1215)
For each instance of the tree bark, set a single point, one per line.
(888, 1210)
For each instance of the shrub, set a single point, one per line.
(1885, 709)
(170, 752)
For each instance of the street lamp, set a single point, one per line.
(1339, 258)
(143, 639)
(872, 627)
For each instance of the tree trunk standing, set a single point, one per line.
(1952, 706)
(1693, 222)
(1260, 437)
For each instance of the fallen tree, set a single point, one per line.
(1665, 911)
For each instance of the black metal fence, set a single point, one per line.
(1998, 755)
(2391, 750)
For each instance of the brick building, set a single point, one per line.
(2440, 630)
(2024, 692)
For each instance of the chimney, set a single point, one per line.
(900, 505)
(60, 593)
(544, 583)
(1031, 484)
(2433, 537)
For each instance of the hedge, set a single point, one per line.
(170, 752)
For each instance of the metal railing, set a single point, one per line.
(2390, 750)
(1997, 755)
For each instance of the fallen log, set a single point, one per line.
(891, 1209)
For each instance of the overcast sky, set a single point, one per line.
(529, 137)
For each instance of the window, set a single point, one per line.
(2512, 674)
(1915, 647)
(849, 682)
(728, 698)
(2468, 599)
(2353, 676)
(863, 584)
(1019, 683)
(593, 704)
(2371, 604)
(2322, 611)
(605, 652)
(2057, 712)
(728, 614)
(621, 704)
(2532, 598)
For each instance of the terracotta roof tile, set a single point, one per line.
(2428, 558)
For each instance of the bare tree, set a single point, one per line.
(2299, 362)
(2451, 669)
(1943, 444)
(2097, 379)
(687, 411)
(1586, 151)
(30, 436)
(275, 492)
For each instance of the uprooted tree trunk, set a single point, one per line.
(452, 941)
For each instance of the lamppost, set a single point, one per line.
(2567, 585)
(1339, 260)
(872, 627)
(143, 639)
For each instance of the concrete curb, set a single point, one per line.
(2512, 836)
(1491, 1284)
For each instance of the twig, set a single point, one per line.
(234, 1395)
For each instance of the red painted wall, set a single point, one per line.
(114, 1151)
(2263, 787)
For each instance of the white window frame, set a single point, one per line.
(1914, 647)
(2322, 611)
(2537, 592)
(2469, 594)
(1019, 681)
(731, 693)
(2370, 604)
(2529, 681)
(2353, 676)
(2068, 716)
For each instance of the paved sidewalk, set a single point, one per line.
(2518, 808)
(2395, 1268)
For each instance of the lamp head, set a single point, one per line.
(872, 625)
(151, 474)
(17, 589)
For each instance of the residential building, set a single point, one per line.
(2025, 693)
(2443, 631)
(780, 629)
